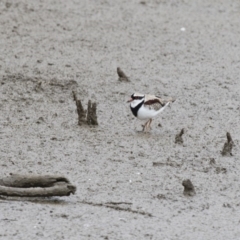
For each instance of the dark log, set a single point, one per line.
(25, 181)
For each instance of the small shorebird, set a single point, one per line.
(147, 107)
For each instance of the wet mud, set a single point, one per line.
(129, 183)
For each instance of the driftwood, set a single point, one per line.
(122, 75)
(228, 145)
(35, 186)
(88, 116)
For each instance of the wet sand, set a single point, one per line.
(129, 184)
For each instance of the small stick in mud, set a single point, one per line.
(88, 116)
(35, 186)
(81, 113)
(188, 188)
(178, 138)
(74, 96)
(122, 76)
(212, 161)
(228, 145)
(92, 113)
(38, 87)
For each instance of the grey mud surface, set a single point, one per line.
(129, 184)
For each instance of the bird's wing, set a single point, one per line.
(153, 102)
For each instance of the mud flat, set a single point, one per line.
(129, 184)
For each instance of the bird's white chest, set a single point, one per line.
(146, 113)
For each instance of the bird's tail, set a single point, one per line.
(168, 101)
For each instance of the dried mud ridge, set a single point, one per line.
(211, 165)
(114, 205)
(21, 85)
(167, 163)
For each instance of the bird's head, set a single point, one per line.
(135, 99)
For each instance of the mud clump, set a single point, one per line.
(212, 161)
(218, 169)
(122, 76)
(228, 145)
(178, 138)
(189, 189)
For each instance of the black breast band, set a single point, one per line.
(135, 110)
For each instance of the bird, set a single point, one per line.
(146, 107)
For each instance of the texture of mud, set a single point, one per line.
(129, 184)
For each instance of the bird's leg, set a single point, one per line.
(150, 121)
(145, 126)
(148, 128)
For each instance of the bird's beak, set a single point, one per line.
(130, 100)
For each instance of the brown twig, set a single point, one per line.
(228, 145)
(91, 113)
(74, 96)
(80, 110)
(81, 113)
